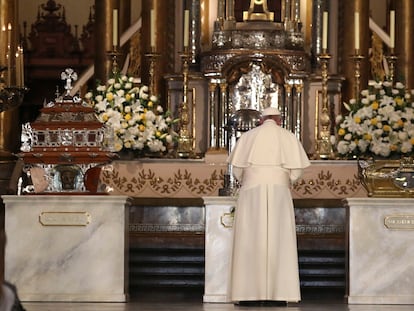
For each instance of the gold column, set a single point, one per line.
(224, 115)
(9, 120)
(164, 43)
(212, 103)
(348, 45)
(103, 37)
(404, 42)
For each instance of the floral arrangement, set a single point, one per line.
(136, 119)
(380, 124)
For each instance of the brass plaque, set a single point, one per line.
(399, 222)
(64, 218)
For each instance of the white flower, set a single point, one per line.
(137, 120)
(381, 123)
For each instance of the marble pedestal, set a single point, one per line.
(218, 247)
(67, 247)
(380, 236)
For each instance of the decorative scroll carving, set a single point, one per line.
(154, 182)
(325, 180)
(166, 179)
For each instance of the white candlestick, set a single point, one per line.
(325, 31)
(392, 29)
(356, 21)
(186, 27)
(9, 56)
(152, 33)
(22, 65)
(18, 70)
(115, 27)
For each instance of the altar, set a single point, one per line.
(67, 247)
(380, 234)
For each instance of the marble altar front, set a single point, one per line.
(380, 235)
(218, 243)
(67, 247)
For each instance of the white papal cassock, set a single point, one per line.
(266, 160)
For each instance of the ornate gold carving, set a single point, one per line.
(258, 11)
(377, 58)
(134, 68)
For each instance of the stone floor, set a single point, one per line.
(198, 306)
(154, 300)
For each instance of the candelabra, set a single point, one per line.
(185, 145)
(10, 96)
(324, 146)
(357, 58)
(391, 60)
(114, 54)
(153, 59)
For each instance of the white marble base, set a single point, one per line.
(67, 247)
(218, 247)
(381, 251)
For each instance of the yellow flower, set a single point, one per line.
(400, 123)
(105, 117)
(412, 141)
(374, 105)
(367, 136)
(128, 97)
(158, 134)
(109, 96)
(341, 132)
(357, 120)
(393, 147)
(142, 127)
(150, 104)
(399, 101)
(386, 128)
(127, 117)
(374, 121)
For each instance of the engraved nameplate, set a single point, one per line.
(399, 222)
(65, 218)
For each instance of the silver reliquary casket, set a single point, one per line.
(63, 149)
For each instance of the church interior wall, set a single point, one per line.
(146, 209)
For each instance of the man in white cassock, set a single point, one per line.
(266, 161)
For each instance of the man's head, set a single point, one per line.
(273, 114)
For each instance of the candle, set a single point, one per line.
(152, 34)
(356, 20)
(22, 65)
(392, 29)
(18, 71)
(115, 28)
(186, 27)
(325, 31)
(9, 28)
